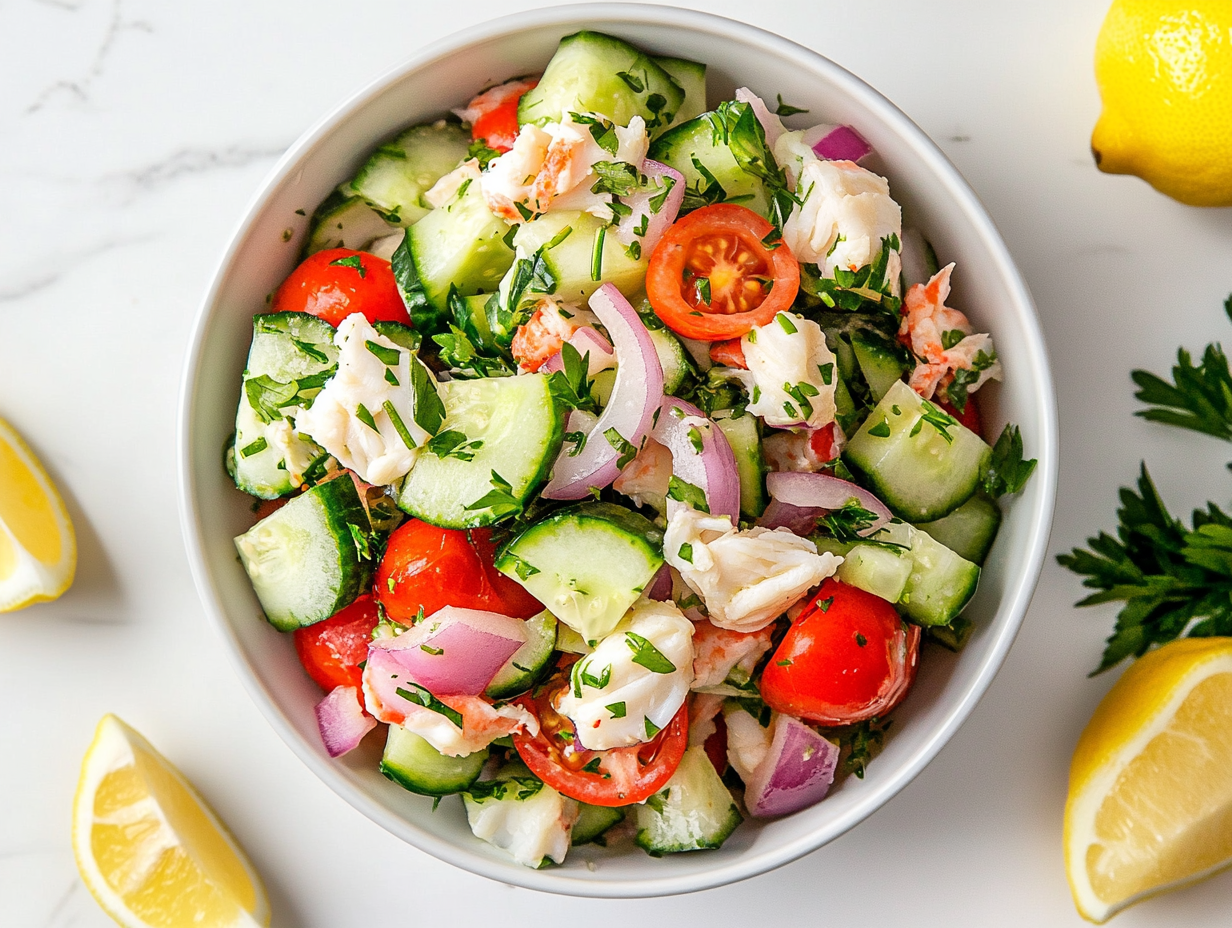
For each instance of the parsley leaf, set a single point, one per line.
(1199, 397)
(453, 444)
(626, 449)
(499, 500)
(647, 655)
(690, 494)
(786, 109)
(415, 693)
(1007, 471)
(351, 261)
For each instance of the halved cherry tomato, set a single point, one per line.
(498, 126)
(970, 416)
(331, 651)
(425, 567)
(712, 277)
(334, 283)
(615, 777)
(847, 658)
(822, 443)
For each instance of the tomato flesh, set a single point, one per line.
(335, 283)
(428, 568)
(615, 777)
(712, 277)
(331, 651)
(969, 417)
(847, 658)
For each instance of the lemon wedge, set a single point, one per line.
(38, 552)
(149, 849)
(1150, 785)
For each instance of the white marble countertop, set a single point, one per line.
(134, 133)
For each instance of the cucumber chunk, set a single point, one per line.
(595, 821)
(571, 263)
(881, 363)
(514, 429)
(304, 561)
(672, 358)
(587, 563)
(345, 222)
(881, 571)
(394, 180)
(414, 764)
(969, 530)
(745, 443)
(941, 582)
(601, 74)
(903, 454)
(691, 76)
(526, 666)
(694, 811)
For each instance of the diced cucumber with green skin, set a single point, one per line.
(285, 347)
(697, 140)
(881, 571)
(953, 637)
(346, 222)
(528, 663)
(907, 461)
(571, 262)
(394, 180)
(672, 358)
(745, 443)
(691, 76)
(414, 764)
(304, 560)
(595, 821)
(601, 74)
(521, 430)
(941, 582)
(881, 364)
(969, 530)
(398, 333)
(469, 313)
(693, 812)
(587, 563)
(460, 245)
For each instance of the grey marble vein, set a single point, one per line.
(43, 277)
(189, 161)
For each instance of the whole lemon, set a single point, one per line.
(1164, 69)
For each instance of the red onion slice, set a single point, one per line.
(842, 143)
(660, 588)
(342, 720)
(590, 343)
(656, 222)
(796, 772)
(800, 520)
(712, 468)
(635, 396)
(453, 652)
(805, 491)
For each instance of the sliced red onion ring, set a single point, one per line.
(812, 495)
(771, 125)
(712, 468)
(590, 343)
(660, 588)
(635, 396)
(842, 143)
(656, 222)
(342, 720)
(453, 652)
(796, 772)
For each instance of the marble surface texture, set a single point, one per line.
(133, 134)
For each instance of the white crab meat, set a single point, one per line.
(791, 372)
(646, 478)
(746, 578)
(448, 186)
(747, 742)
(530, 827)
(720, 653)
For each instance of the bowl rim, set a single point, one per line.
(1020, 585)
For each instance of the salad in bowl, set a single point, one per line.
(614, 454)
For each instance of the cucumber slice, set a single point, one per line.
(520, 429)
(470, 314)
(881, 362)
(941, 582)
(460, 245)
(399, 333)
(693, 812)
(528, 663)
(394, 180)
(954, 636)
(969, 530)
(672, 357)
(571, 264)
(594, 821)
(587, 563)
(304, 560)
(604, 75)
(414, 764)
(881, 571)
(903, 454)
(345, 222)
(745, 443)
(696, 142)
(691, 76)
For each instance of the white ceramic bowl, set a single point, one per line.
(934, 198)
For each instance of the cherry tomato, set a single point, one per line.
(334, 283)
(425, 567)
(847, 658)
(970, 416)
(728, 353)
(497, 124)
(615, 777)
(712, 278)
(331, 651)
(716, 745)
(822, 443)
